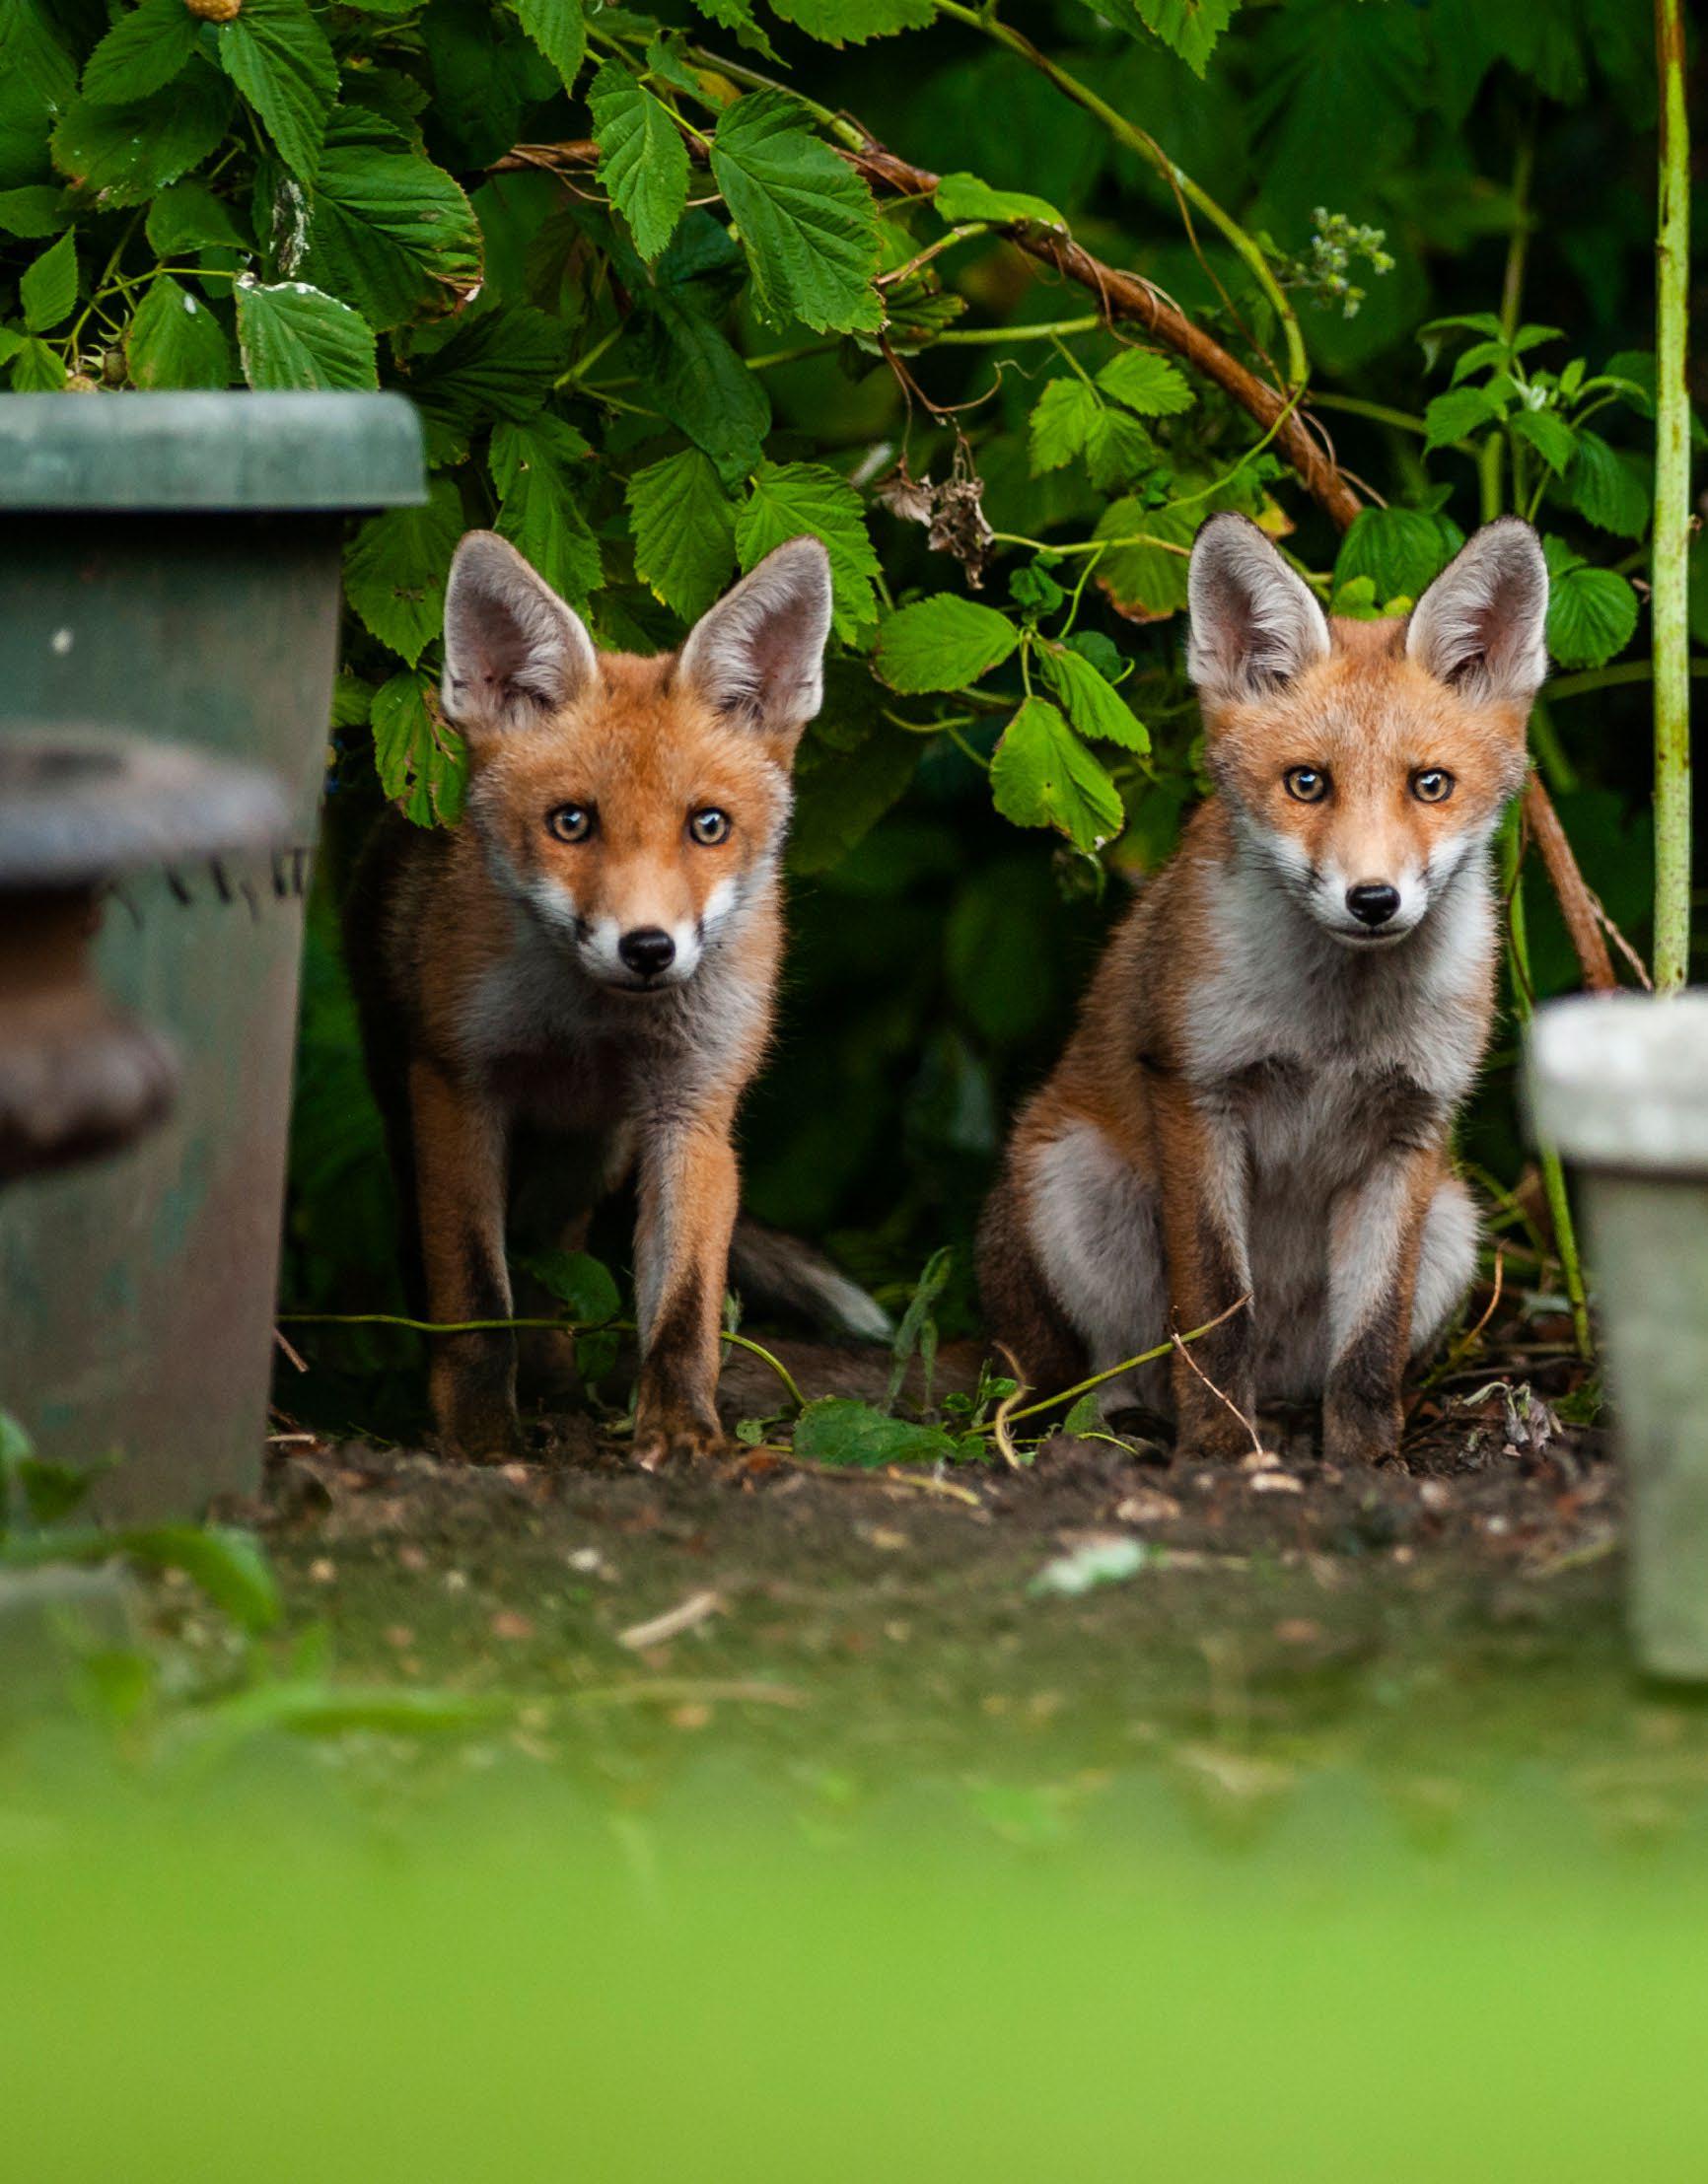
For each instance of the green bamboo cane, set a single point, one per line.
(1671, 633)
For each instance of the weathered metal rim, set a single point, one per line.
(236, 451)
(78, 803)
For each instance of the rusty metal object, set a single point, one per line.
(79, 1076)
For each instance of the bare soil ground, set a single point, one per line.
(1427, 1621)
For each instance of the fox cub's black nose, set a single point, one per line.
(1371, 902)
(650, 948)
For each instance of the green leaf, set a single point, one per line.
(174, 340)
(1592, 612)
(123, 155)
(1606, 488)
(32, 55)
(1095, 706)
(1549, 434)
(642, 159)
(583, 1285)
(1187, 28)
(421, 760)
(738, 15)
(143, 50)
(36, 210)
(48, 289)
(684, 530)
(1147, 383)
(695, 378)
(229, 1567)
(538, 511)
(1457, 414)
(37, 368)
(499, 367)
(1146, 582)
(790, 500)
(853, 22)
(557, 27)
(1401, 550)
(396, 568)
(840, 1429)
(807, 220)
(964, 196)
(388, 232)
(352, 702)
(942, 644)
(293, 336)
(190, 216)
(1062, 418)
(1043, 775)
(278, 55)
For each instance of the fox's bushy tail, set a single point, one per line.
(780, 1273)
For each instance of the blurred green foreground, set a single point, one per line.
(276, 1967)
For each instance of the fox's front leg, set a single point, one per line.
(1374, 1237)
(460, 1160)
(687, 1211)
(1201, 1157)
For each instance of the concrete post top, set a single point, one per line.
(1620, 1081)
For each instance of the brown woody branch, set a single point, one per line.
(1129, 297)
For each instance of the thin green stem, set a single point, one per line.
(1138, 140)
(1093, 545)
(1608, 678)
(1110, 1372)
(1553, 1174)
(560, 1326)
(978, 336)
(1670, 608)
(1378, 413)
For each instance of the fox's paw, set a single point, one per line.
(1213, 1440)
(1359, 1431)
(676, 1440)
(484, 1438)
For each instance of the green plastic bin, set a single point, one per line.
(169, 565)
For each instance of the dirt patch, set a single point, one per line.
(1457, 1611)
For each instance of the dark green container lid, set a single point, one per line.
(209, 450)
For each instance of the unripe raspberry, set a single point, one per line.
(215, 10)
(79, 382)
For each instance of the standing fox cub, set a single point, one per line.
(1258, 1096)
(591, 956)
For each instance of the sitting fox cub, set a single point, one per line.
(592, 956)
(1258, 1096)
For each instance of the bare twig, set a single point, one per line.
(694, 1610)
(1177, 1343)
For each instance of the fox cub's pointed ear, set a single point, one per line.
(1253, 620)
(758, 654)
(1481, 624)
(514, 653)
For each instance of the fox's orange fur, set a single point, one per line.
(1259, 1094)
(589, 956)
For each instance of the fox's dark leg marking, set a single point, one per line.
(1020, 1309)
(461, 1156)
(687, 1212)
(1201, 1158)
(1375, 1234)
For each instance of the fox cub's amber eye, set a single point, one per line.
(570, 822)
(1432, 786)
(709, 826)
(1307, 783)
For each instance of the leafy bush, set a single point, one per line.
(662, 301)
